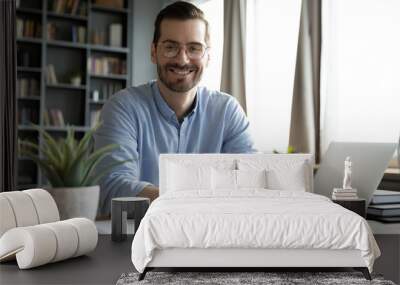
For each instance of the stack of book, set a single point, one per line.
(344, 194)
(385, 206)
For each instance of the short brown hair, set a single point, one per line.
(179, 10)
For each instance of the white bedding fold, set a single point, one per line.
(250, 218)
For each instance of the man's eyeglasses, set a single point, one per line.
(193, 51)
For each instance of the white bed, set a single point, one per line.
(215, 211)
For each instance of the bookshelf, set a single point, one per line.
(72, 56)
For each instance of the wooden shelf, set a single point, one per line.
(66, 44)
(29, 98)
(29, 69)
(26, 128)
(104, 48)
(30, 40)
(66, 86)
(54, 15)
(99, 8)
(110, 76)
(29, 11)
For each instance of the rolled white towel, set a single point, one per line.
(23, 208)
(26, 208)
(45, 205)
(33, 246)
(40, 244)
(7, 218)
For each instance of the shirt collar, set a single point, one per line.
(163, 107)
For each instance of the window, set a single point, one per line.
(360, 83)
(214, 11)
(272, 36)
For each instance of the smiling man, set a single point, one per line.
(171, 114)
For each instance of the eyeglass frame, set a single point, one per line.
(180, 46)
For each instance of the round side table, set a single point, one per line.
(119, 214)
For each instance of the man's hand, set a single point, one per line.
(150, 192)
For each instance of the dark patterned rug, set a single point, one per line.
(269, 278)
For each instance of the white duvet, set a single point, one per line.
(251, 218)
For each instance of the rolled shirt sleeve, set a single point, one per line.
(237, 137)
(118, 127)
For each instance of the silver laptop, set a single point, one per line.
(369, 162)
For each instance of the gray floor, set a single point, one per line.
(102, 266)
(110, 259)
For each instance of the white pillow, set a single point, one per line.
(226, 179)
(282, 173)
(223, 179)
(251, 178)
(183, 178)
(288, 179)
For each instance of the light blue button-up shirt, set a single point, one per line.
(141, 122)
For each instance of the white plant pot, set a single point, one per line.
(75, 202)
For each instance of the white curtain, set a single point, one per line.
(360, 86)
(213, 11)
(272, 37)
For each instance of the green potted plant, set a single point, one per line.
(69, 166)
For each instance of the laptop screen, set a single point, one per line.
(369, 162)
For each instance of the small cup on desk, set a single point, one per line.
(120, 207)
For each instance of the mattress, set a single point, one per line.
(251, 219)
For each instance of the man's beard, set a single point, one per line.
(180, 85)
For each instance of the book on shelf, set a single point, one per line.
(98, 37)
(54, 117)
(105, 92)
(94, 117)
(28, 28)
(106, 65)
(115, 35)
(385, 197)
(384, 210)
(51, 31)
(46, 118)
(73, 7)
(27, 116)
(51, 77)
(27, 87)
(78, 34)
(116, 4)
